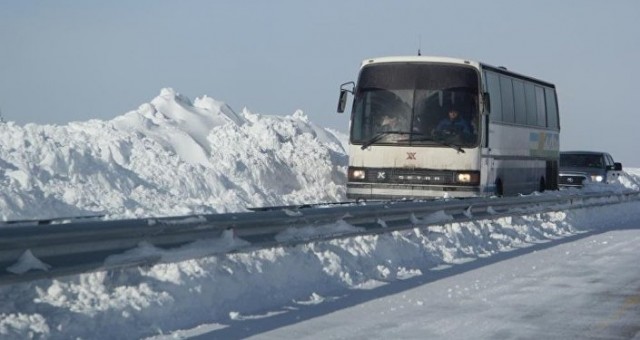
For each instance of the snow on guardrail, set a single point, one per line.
(93, 245)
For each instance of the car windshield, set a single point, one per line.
(416, 98)
(581, 160)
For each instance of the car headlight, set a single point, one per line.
(596, 178)
(358, 174)
(467, 177)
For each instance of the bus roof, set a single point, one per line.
(418, 59)
(449, 60)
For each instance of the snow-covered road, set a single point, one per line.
(584, 287)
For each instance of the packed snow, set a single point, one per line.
(173, 156)
(169, 157)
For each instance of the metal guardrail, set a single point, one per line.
(88, 245)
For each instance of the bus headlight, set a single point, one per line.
(357, 174)
(596, 178)
(468, 177)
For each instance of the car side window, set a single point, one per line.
(608, 160)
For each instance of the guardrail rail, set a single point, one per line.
(86, 244)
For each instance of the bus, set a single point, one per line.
(405, 141)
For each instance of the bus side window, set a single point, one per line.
(541, 107)
(530, 96)
(552, 108)
(493, 87)
(508, 107)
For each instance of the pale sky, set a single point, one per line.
(68, 61)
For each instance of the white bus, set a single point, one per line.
(404, 141)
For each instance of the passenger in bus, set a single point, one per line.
(393, 123)
(453, 125)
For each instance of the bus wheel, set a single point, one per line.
(499, 188)
(543, 186)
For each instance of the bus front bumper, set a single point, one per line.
(398, 191)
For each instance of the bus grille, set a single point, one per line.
(410, 176)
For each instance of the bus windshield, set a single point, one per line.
(432, 103)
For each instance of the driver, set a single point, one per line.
(453, 124)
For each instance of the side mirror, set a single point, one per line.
(486, 100)
(617, 166)
(342, 101)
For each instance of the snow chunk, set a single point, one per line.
(313, 232)
(23, 326)
(433, 218)
(27, 262)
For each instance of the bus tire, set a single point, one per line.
(543, 185)
(499, 188)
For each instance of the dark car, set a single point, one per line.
(579, 167)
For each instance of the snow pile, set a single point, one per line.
(168, 157)
(630, 178)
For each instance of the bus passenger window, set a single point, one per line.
(493, 86)
(506, 90)
(541, 107)
(552, 112)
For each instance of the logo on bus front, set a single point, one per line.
(411, 155)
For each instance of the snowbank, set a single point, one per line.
(168, 157)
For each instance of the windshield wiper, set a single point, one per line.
(379, 137)
(426, 138)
